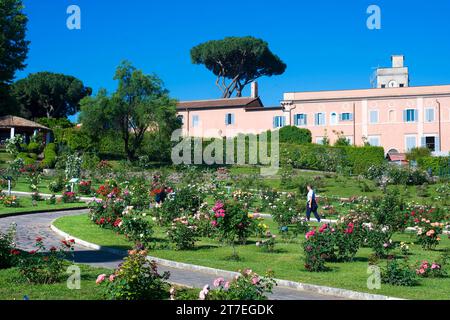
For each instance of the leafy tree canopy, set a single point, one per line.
(13, 48)
(237, 61)
(140, 104)
(51, 95)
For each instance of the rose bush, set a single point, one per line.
(248, 286)
(135, 279)
(183, 232)
(42, 266)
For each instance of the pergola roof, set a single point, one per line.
(18, 122)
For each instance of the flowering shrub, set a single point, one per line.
(57, 185)
(347, 242)
(268, 242)
(33, 176)
(73, 166)
(183, 233)
(430, 270)
(85, 187)
(378, 238)
(203, 221)
(9, 201)
(318, 248)
(135, 228)
(428, 233)
(7, 247)
(185, 200)
(69, 197)
(284, 210)
(246, 198)
(233, 222)
(135, 279)
(248, 286)
(268, 198)
(44, 266)
(398, 274)
(418, 212)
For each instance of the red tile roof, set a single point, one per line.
(397, 157)
(221, 103)
(13, 121)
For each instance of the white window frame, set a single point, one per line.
(195, 121)
(319, 140)
(378, 138)
(324, 119)
(426, 115)
(280, 124)
(304, 119)
(416, 115)
(370, 116)
(229, 116)
(336, 118)
(406, 141)
(341, 117)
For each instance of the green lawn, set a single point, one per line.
(27, 207)
(286, 262)
(14, 287)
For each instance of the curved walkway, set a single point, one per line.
(31, 226)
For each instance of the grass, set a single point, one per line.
(27, 207)
(14, 287)
(286, 262)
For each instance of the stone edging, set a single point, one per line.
(330, 291)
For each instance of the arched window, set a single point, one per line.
(333, 118)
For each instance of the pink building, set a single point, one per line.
(393, 115)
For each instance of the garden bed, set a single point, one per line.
(286, 261)
(15, 287)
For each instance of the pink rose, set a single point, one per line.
(112, 277)
(226, 285)
(100, 278)
(218, 282)
(255, 281)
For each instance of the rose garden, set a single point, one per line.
(231, 218)
(99, 210)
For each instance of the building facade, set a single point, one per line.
(392, 115)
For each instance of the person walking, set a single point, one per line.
(311, 204)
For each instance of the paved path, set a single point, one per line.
(38, 225)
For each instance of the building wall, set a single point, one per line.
(390, 104)
(390, 128)
(212, 122)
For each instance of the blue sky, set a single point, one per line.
(325, 44)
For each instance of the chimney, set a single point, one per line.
(254, 90)
(398, 61)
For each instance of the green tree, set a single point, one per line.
(13, 49)
(140, 105)
(292, 134)
(51, 95)
(241, 60)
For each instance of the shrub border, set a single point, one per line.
(324, 290)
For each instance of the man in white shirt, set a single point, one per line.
(311, 204)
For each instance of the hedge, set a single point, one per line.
(438, 165)
(49, 156)
(314, 156)
(331, 158)
(295, 135)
